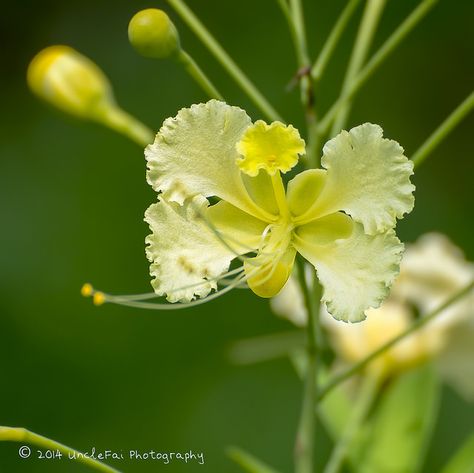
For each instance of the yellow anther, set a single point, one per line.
(273, 147)
(87, 290)
(99, 298)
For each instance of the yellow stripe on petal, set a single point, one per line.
(273, 147)
(304, 190)
(326, 229)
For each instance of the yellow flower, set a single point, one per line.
(340, 218)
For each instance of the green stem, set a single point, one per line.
(332, 40)
(127, 125)
(18, 434)
(360, 365)
(359, 412)
(443, 130)
(197, 74)
(377, 59)
(368, 25)
(285, 9)
(221, 55)
(298, 31)
(297, 15)
(307, 425)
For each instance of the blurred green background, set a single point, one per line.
(72, 199)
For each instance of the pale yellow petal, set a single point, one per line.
(368, 177)
(185, 254)
(304, 190)
(326, 229)
(356, 273)
(267, 276)
(241, 231)
(195, 153)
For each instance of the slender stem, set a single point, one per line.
(368, 25)
(226, 61)
(285, 9)
(297, 15)
(306, 429)
(127, 125)
(18, 434)
(443, 130)
(360, 410)
(377, 59)
(355, 368)
(298, 31)
(197, 74)
(331, 42)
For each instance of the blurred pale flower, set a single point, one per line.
(432, 270)
(340, 218)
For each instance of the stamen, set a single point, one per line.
(157, 306)
(88, 290)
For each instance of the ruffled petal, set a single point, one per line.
(195, 153)
(356, 273)
(368, 177)
(184, 252)
(275, 147)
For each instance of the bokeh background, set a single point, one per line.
(72, 199)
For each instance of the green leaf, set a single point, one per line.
(248, 462)
(402, 424)
(463, 460)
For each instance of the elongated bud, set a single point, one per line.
(153, 34)
(71, 82)
(74, 84)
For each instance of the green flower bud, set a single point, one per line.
(74, 84)
(70, 81)
(153, 34)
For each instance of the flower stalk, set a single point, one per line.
(363, 403)
(368, 26)
(461, 111)
(332, 40)
(225, 60)
(298, 31)
(388, 47)
(305, 435)
(18, 434)
(198, 75)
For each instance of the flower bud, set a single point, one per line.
(153, 34)
(71, 82)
